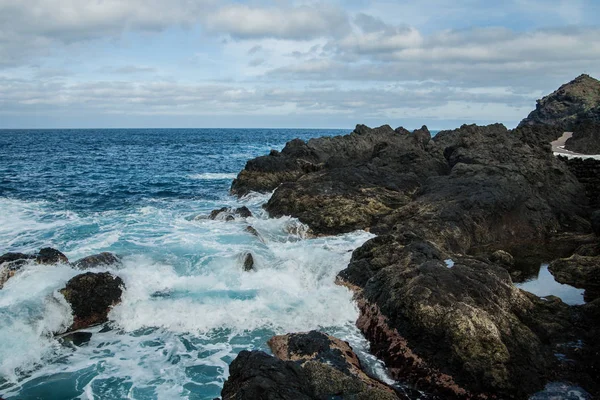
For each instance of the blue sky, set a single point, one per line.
(280, 63)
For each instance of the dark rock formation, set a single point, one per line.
(502, 185)
(458, 332)
(585, 139)
(229, 214)
(97, 260)
(247, 261)
(50, 256)
(77, 339)
(11, 263)
(503, 258)
(91, 296)
(596, 222)
(587, 171)
(572, 103)
(306, 366)
(581, 270)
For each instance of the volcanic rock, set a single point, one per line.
(571, 104)
(97, 260)
(306, 366)
(585, 139)
(11, 263)
(91, 296)
(49, 255)
(229, 214)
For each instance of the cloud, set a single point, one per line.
(298, 23)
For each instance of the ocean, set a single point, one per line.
(188, 307)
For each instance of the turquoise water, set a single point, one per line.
(188, 308)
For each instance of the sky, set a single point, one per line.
(286, 63)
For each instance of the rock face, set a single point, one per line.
(436, 301)
(458, 332)
(581, 270)
(572, 103)
(585, 139)
(11, 263)
(596, 222)
(502, 185)
(91, 296)
(306, 366)
(97, 260)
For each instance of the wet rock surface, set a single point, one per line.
(97, 260)
(230, 214)
(581, 270)
(11, 263)
(306, 366)
(91, 296)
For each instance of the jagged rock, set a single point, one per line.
(251, 230)
(229, 214)
(257, 375)
(247, 261)
(306, 366)
(50, 256)
(572, 103)
(11, 263)
(585, 139)
(458, 332)
(97, 260)
(596, 222)
(91, 296)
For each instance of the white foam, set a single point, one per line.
(213, 176)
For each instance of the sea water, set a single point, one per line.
(188, 307)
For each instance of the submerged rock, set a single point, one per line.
(91, 296)
(97, 260)
(76, 338)
(230, 214)
(306, 366)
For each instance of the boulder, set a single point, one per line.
(572, 103)
(459, 332)
(11, 263)
(91, 296)
(306, 366)
(49, 255)
(585, 139)
(503, 258)
(97, 260)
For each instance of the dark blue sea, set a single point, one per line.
(188, 307)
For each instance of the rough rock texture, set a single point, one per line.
(576, 101)
(306, 366)
(97, 260)
(581, 270)
(230, 214)
(585, 139)
(501, 185)
(460, 332)
(11, 263)
(91, 296)
(596, 222)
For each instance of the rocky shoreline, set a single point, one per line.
(456, 216)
